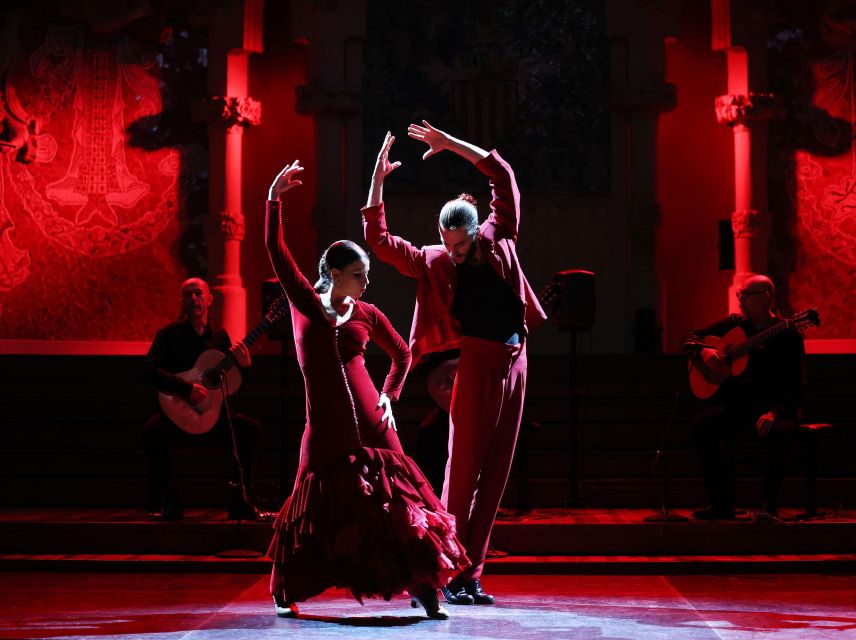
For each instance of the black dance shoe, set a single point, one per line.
(284, 609)
(427, 598)
(474, 589)
(453, 593)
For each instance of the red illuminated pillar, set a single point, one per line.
(229, 111)
(748, 114)
(747, 110)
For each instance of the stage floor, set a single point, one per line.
(229, 607)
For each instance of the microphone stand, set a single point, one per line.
(662, 454)
(237, 552)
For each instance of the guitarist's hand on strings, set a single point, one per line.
(713, 361)
(198, 394)
(241, 354)
(765, 423)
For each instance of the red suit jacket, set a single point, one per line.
(434, 327)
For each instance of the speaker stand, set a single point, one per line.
(575, 500)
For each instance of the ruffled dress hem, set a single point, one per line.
(368, 522)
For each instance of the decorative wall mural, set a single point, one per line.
(92, 195)
(814, 165)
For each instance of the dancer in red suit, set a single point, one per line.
(361, 514)
(471, 293)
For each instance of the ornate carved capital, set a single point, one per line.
(232, 225)
(313, 100)
(658, 98)
(244, 112)
(747, 109)
(750, 222)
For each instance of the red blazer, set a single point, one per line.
(434, 327)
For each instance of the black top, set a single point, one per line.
(775, 374)
(485, 304)
(175, 349)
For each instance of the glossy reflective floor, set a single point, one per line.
(160, 606)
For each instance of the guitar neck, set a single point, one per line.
(249, 340)
(761, 337)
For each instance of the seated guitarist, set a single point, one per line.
(174, 350)
(767, 395)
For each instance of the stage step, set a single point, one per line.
(509, 565)
(545, 532)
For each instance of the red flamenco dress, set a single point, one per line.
(361, 515)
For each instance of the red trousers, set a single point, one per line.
(487, 405)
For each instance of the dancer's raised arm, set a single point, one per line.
(298, 289)
(383, 167)
(387, 247)
(438, 140)
(505, 197)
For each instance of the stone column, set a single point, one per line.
(738, 31)
(638, 95)
(748, 115)
(226, 229)
(334, 32)
(228, 112)
(642, 106)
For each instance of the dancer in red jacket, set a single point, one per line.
(471, 294)
(361, 515)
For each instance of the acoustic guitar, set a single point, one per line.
(215, 371)
(734, 350)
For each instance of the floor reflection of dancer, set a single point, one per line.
(471, 293)
(361, 515)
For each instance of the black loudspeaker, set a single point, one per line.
(726, 245)
(281, 329)
(573, 300)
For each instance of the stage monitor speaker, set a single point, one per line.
(573, 302)
(281, 329)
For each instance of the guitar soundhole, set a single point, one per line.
(211, 378)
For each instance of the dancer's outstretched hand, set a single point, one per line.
(387, 411)
(285, 180)
(383, 167)
(435, 139)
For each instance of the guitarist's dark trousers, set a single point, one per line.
(161, 436)
(713, 431)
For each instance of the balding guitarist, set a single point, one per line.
(767, 394)
(175, 350)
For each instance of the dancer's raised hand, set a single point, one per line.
(383, 167)
(435, 139)
(285, 180)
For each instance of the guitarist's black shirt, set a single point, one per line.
(175, 349)
(774, 377)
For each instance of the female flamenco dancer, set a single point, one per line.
(361, 514)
